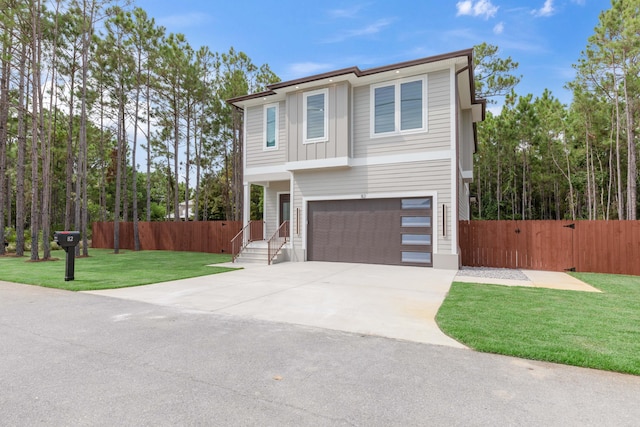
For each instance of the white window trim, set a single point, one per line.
(264, 126)
(397, 107)
(325, 137)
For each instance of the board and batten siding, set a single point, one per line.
(424, 176)
(255, 152)
(337, 145)
(437, 137)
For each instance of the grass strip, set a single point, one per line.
(105, 270)
(593, 330)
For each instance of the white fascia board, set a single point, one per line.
(266, 173)
(403, 158)
(334, 162)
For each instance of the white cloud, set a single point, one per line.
(499, 28)
(301, 69)
(483, 8)
(464, 7)
(370, 29)
(546, 10)
(349, 12)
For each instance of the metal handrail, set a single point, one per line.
(276, 242)
(238, 245)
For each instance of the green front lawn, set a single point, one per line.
(105, 270)
(594, 330)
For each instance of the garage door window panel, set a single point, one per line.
(416, 203)
(416, 239)
(416, 257)
(416, 221)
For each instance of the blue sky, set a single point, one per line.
(300, 38)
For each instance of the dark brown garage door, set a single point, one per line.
(373, 231)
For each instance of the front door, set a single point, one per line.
(284, 213)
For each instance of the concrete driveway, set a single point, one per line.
(389, 301)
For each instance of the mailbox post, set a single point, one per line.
(68, 240)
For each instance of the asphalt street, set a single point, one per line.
(80, 359)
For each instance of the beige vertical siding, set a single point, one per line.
(338, 103)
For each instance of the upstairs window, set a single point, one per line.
(271, 126)
(315, 116)
(385, 109)
(399, 107)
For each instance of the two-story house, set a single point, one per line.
(367, 166)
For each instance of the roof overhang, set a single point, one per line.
(461, 60)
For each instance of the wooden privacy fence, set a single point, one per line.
(592, 246)
(192, 236)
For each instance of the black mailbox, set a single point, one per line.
(68, 240)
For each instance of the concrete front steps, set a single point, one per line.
(257, 252)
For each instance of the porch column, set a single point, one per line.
(246, 205)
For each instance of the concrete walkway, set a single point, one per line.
(390, 301)
(535, 279)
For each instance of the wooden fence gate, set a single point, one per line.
(594, 246)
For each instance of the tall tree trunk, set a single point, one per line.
(47, 143)
(590, 201)
(134, 167)
(632, 167)
(176, 145)
(21, 172)
(71, 199)
(119, 155)
(148, 100)
(35, 135)
(81, 182)
(187, 164)
(125, 175)
(198, 154)
(5, 74)
(499, 184)
(621, 210)
(103, 160)
(4, 115)
(227, 185)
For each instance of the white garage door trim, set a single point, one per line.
(404, 194)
